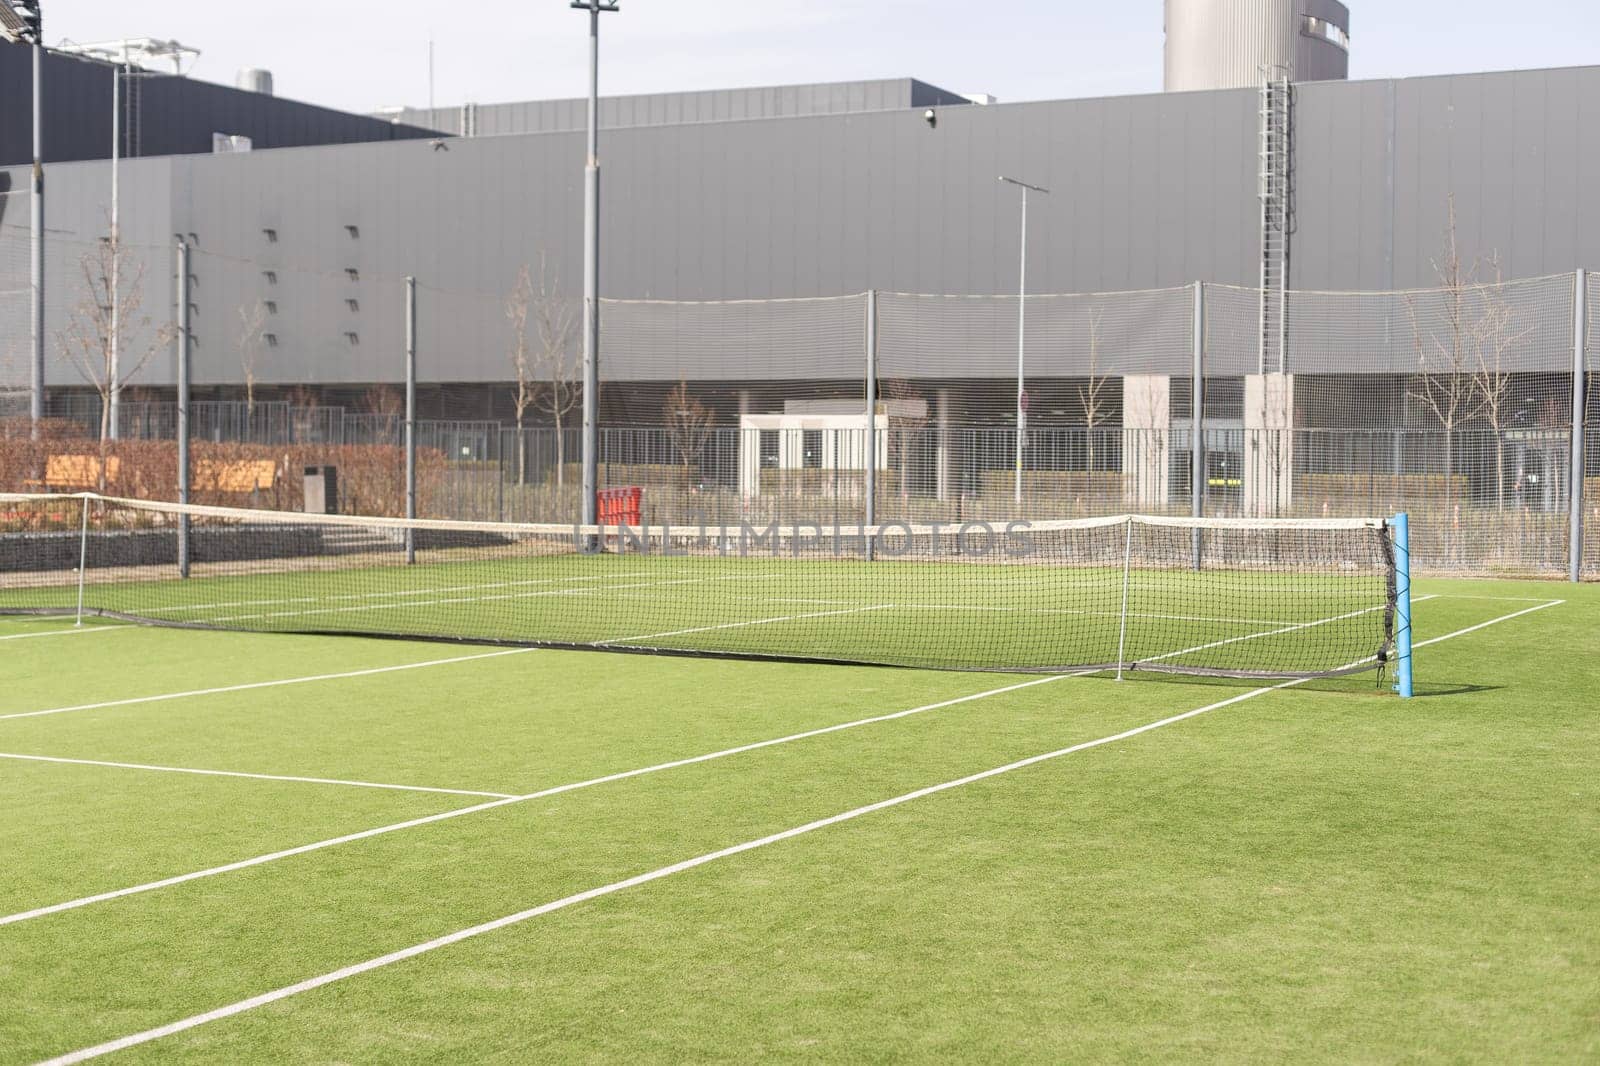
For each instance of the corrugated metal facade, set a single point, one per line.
(1148, 191)
(665, 109)
(174, 115)
(1225, 44)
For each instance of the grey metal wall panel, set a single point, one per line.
(1147, 192)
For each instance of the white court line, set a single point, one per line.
(65, 632)
(483, 599)
(402, 955)
(264, 684)
(390, 594)
(556, 790)
(256, 777)
(1275, 632)
(753, 622)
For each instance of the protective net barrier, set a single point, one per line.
(1591, 496)
(15, 297)
(1231, 598)
(1452, 403)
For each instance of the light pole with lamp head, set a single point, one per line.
(591, 266)
(1022, 332)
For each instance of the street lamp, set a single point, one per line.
(122, 55)
(591, 266)
(1022, 322)
(21, 22)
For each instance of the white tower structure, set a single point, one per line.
(1225, 44)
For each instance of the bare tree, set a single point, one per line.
(1494, 334)
(252, 337)
(1089, 394)
(546, 365)
(87, 337)
(688, 423)
(1444, 384)
(908, 414)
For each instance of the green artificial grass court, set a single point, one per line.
(1318, 872)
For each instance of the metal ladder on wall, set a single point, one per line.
(1276, 192)
(132, 112)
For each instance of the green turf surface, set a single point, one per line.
(1323, 872)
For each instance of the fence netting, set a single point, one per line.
(1452, 403)
(15, 297)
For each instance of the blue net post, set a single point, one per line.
(1400, 525)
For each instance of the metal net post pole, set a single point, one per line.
(183, 404)
(1580, 320)
(411, 417)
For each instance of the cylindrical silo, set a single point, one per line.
(255, 80)
(1227, 44)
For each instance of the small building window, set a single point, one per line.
(353, 305)
(271, 339)
(352, 273)
(271, 276)
(272, 307)
(271, 235)
(353, 339)
(354, 231)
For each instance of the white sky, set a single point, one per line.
(359, 55)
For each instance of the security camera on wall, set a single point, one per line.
(931, 117)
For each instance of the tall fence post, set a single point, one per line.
(183, 405)
(1580, 321)
(36, 245)
(411, 417)
(1197, 422)
(870, 513)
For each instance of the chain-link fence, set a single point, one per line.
(1454, 403)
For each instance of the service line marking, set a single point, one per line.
(344, 973)
(264, 684)
(624, 775)
(255, 777)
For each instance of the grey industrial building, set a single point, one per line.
(784, 193)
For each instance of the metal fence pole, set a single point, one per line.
(871, 452)
(183, 405)
(36, 256)
(1197, 422)
(411, 417)
(1580, 319)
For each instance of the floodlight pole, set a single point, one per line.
(591, 267)
(113, 369)
(36, 257)
(1022, 328)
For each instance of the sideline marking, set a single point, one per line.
(256, 777)
(40, 912)
(264, 684)
(64, 632)
(403, 954)
(1276, 632)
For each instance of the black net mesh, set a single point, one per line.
(1237, 598)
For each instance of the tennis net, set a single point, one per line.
(1240, 598)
